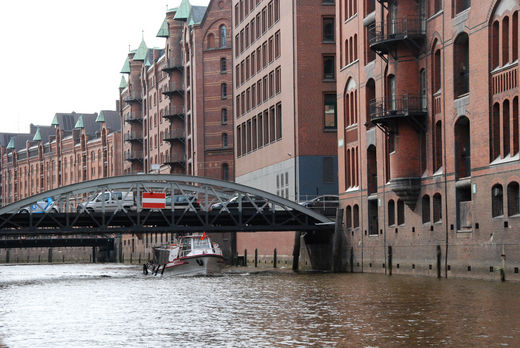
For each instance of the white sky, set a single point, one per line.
(66, 55)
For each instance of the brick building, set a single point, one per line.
(285, 103)
(428, 152)
(74, 148)
(174, 99)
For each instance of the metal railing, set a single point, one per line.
(173, 134)
(133, 116)
(398, 29)
(403, 105)
(133, 136)
(133, 155)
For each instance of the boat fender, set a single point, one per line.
(145, 269)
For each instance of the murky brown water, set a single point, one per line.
(116, 306)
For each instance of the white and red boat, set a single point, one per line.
(189, 255)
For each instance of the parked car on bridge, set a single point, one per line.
(249, 203)
(325, 204)
(44, 206)
(182, 202)
(111, 201)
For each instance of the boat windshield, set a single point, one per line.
(201, 243)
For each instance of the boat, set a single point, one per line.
(189, 255)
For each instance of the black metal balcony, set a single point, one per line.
(176, 160)
(173, 65)
(132, 98)
(174, 112)
(133, 117)
(396, 34)
(133, 137)
(173, 88)
(386, 111)
(174, 135)
(134, 156)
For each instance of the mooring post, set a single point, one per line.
(245, 257)
(389, 260)
(274, 257)
(439, 261)
(93, 254)
(296, 252)
(256, 258)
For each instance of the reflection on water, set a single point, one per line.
(116, 306)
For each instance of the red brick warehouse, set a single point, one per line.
(428, 151)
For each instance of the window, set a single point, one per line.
(239, 141)
(328, 29)
(497, 201)
(356, 216)
(223, 116)
(460, 5)
(330, 116)
(260, 133)
(278, 79)
(225, 171)
(328, 68)
(223, 91)
(426, 209)
(437, 207)
(348, 216)
(400, 212)
(513, 199)
(461, 65)
(211, 41)
(391, 212)
(224, 140)
(278, 121)
(223, 65)
(277, 44)
(437, 147)
(370, 34)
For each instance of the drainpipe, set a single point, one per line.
(445, 148)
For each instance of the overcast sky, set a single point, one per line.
(66, 55)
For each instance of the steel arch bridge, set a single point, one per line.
(207, 205)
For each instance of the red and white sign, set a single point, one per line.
(154, 200)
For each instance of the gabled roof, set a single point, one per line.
(10, 146)
(100, 117)
(126, 67)
(197, 14)
(163, 31)
(55, 121)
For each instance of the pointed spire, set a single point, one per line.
(191, 21)
(10, 146)
(163, 31)
(79, 123)
(123, 84)
(183, 12)
(37, 135)
(141, 51)
(55, 121)
(126, 67)
(147, 62)
(101, 117)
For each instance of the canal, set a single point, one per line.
(116, 306)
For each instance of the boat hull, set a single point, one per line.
(196, 265)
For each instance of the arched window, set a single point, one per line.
(461, 65)
(513, 199)
(495, 45)
(437, 147)
(223, 65)
(356, 215)
(426, 209)
(391, 212)
(437, 207)
(370, 96)
(400, 212)
(348, 216)
(223, 116)
(223, 38)
(494, 132)
(225, 171)
(497, 201)
(371, 170)
(224, 140)
(462, 148)
(210, 41)
(223, 91)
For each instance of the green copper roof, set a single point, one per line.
(37, 135)
(122, 84)
(173, 9)
(55, 121)
(126, 67)
(191, 22)
(79, 123)
(10, 146)
(147, 62)
(183, 12)
(100, 117)
(141, 51)
(163, 32)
